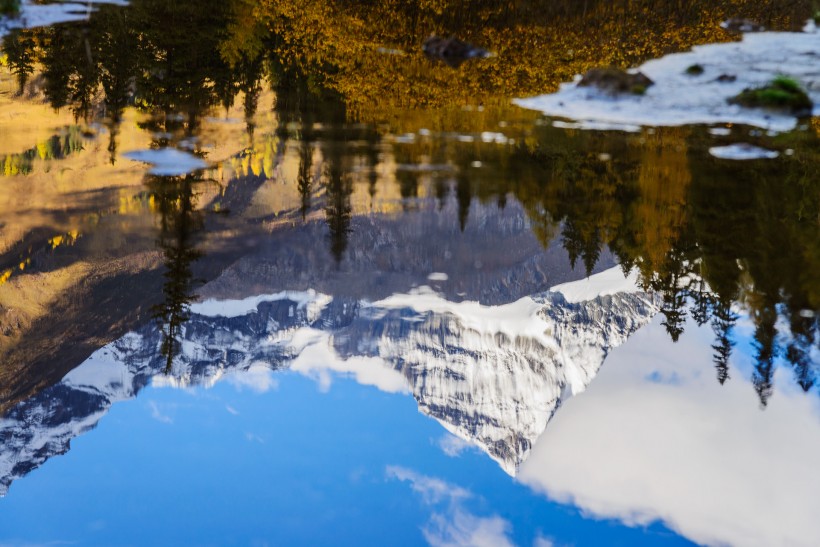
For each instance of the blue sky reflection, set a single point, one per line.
(333, 450)
(290, 464)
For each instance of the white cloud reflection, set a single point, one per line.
(655, 437)
(453, 446)
(157, 414)
(319, 361)
(460, 528)
(450, 523)
(432, 490)
(257, 378)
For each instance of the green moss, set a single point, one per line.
(638, 89)
(782, 93)
(787, 84)
(694, 70)
(775, 97)
(9, 7)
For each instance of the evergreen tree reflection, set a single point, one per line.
(304, 181)
(338, 210)
(464, 198)
(765, 347)
(442, 189)
(118, 53)
(18, 45)
(372, 154)
(180, 226)
(300, 102)
(723, 321)
(744, 234)
(722, 234)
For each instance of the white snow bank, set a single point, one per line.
(238, 308)
(608, 282)
(41, 15)
(678, 98)
(519, 318)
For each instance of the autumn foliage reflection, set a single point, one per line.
(708, 236)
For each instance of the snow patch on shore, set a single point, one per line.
(678, 98)
(742, 151)
(168, 161)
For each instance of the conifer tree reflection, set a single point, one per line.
(338, 210)
(408, 185)
(670, 282)
(118, 52)
(800, 358)
(58, 69)
(372, 165)
(304, 180)
(300, 102)
(723, 321)
(765, 348)
(71, 72)
(250, 84)
(744, 234)
(805, 338)
(572, 241)
(464, 198)
(407, 175)
(180, 225)
(747, 231)
(702, 300)
(18, 45)
(298, 105)
(442, 189)
(186, 73)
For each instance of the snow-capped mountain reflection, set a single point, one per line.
(492, 375)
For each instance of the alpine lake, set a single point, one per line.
(394, 273)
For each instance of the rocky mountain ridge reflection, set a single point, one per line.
(493, 375)
(706, 234)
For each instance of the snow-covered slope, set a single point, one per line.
(492, 375)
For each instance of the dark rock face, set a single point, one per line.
(615, 80)
(452, 51)
(495, 260)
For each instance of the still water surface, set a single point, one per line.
(280, 278)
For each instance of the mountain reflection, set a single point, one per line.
(714, 240)
(338, 204)
(493, 375)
